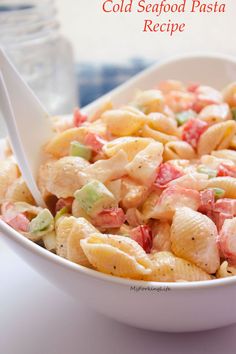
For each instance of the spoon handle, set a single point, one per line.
(16, 143)
(27, 122)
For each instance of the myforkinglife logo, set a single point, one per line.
(159, 289)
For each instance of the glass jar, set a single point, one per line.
(30, 34)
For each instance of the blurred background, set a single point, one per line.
(70, 52)
(117, 37)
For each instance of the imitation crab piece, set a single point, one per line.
(227, 241)
(226, 170)
(179, 101)
(14, 218)
(226, 205)
(161, 236)
(143, 235)
(173, 198)
(165, 174)
(205, 96)
(223, 209)
(193, 130)
(94, 141)
(110, 218)
(207, 198)
(79, 118)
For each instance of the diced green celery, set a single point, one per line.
(183, 117)
(207, 171)
(233, 111)
(77, 149)
(219, 192)
(94, 197)
(42, 224)
(60, 213)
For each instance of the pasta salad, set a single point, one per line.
(145, 191)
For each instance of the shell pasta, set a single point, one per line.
(144, 191)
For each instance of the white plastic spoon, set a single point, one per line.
(27, 121)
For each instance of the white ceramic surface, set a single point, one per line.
(37, 318)
(176, 307)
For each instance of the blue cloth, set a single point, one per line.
(95, 80)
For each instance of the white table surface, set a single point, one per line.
(36, 318)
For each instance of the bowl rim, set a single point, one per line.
(29, 245)
(158, 65)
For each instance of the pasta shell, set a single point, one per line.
(122, 122)
(217, 137)
(63, 229)
(149, 101)
(106, 170)
(206, 95)
(116, 255)
(225, 154)
(196, 181)
(193, 237)
(228, 184)
(232, 144)
(178, 150)
(81, 229)
(19, 192)
(225, 270)
(229, 94)
(50, 242)
(62, 123)
(105, 106)
(133, 109)
(214, 162)
(179, 101)
(162, 123)
(161, 236)
(215, 113)
(132, 193)
(130, 145)
(134, 218)
(149, 204)
(115, 188)
(169, 268)
(8, 174)
(181, 164)
(124, 230)
(62, 178)
(163, 138)
(59, 146)
(144, 165)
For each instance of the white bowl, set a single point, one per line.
(172, 307)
